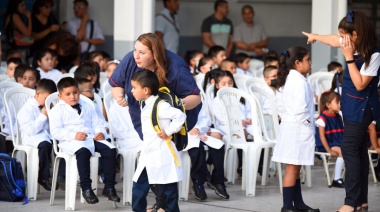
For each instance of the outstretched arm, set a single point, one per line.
(331, 40)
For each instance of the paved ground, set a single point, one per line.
(267, 199)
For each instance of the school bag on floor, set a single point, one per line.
(179, 138)
(12, 183)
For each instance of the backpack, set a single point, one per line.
(164, 94)
(12, 183)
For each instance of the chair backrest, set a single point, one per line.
(324, 82)
(271, 116)
(240, 80)
(103, 77)
(199, 79)
(67, 75)
(206, 105)
(256, 66)
(3, 77)
(312, 79)
(15, 99)
(98, 102)
(4, 86)
(106, 88)
(50, 101)
(230, 102)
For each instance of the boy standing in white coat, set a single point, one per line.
(80, 131)
(34, 127)
(159, 160)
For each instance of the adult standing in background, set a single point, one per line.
(249, 37)
(217, 29)
(167, 26)
(44, 24)
(86, 30)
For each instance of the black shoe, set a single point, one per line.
(289, 210)
(220, 189)
(110, 193)
(46, 184)
(240, 171)
(199, 192)
(90, 196)
(307, 209)
(61, 182)
(338, 183)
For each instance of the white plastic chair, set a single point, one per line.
(229, 98)
(327, 161)
(129, 157)
(240, 80)
(71, 165)
(4, 86)
(106, 88)
(184, 184)
(324, 82)
(67, 75)
(3, 77)
(372, 164)
(256, 67)
(17, 97)
(103, 77)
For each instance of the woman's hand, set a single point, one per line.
(333, 153)
(310, 37)
(121, 100)
(348, 48)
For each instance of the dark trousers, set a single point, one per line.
(140, 190)
(199, 172)
(355, 155)
(5, 146)
(44, 156)
(108, 158)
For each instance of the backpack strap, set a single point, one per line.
(156, 126)
(91, 34)
(170, 21)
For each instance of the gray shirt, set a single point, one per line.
(247, 34)
(170, 29)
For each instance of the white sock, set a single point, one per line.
(338, 168)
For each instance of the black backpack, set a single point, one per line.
(12, 183)
(164, 94)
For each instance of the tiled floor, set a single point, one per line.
(267, 199)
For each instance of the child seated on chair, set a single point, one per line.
(12, 63)
(228, 65)
(329, 133)
(199, 172)
(80, 131)
(30, 78)
(242, 62)
(217, 54)
(159, 158)
(270, 78)
(34, 126)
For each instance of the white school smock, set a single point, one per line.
(203, 125)
(65, 122)
(122, 128)
(34, 126)
(155, 154)
(53, 74)
(295, 141)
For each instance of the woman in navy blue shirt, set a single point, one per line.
(360, 100)
(173, 72)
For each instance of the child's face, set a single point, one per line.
(194, 61)
(231, 67)
(46, 63)
(304, 66)
(105, 62)
(271, 76)
(245, 64)
(207, 67)
(224, 82)
(143, 56)
(139, 92)
(219, 58)
(29, 80)
(92, 79)
(70, 95)
(110, 69)
(55, 61)
(11, 69)
(334, 105)
(99, 59)
(41, 97)
(86, 89)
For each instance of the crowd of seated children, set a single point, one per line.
(217, 54)
(228, 65)
(329, 133)
(80, 131)
(43, 62)
(242, 62)
(12, 63)
(159, 159)
(34, 126)
(192, 58)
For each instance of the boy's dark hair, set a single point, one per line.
(20, 70)
(85, 2)
(214, 50)
(268, 69)
(218, 3)
(105, 55)
(83, 80)
(91, 55)
(268, 60)
(147, 79)
(46, 85)
(14, 60)
(66, 82)
(240, 57)
(83, 71)
(333, 65)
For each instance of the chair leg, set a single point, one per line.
(129, 161)
(372, 168)
(54, 180)
(71, 183)
(32, 173)
(308, 176)
(264, 177)
(230, 161)
(279, 172)
(326, 166)
(183, 191)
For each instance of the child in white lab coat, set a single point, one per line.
(80, 131)
(159, 159)
(295, 142)
(34, 126)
